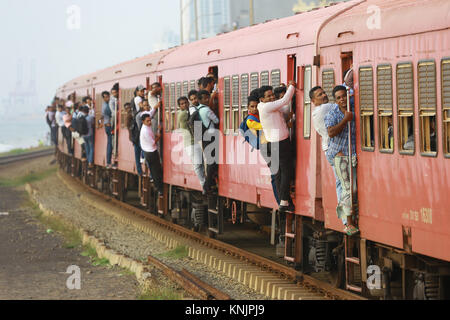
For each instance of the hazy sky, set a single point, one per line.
(110, 32)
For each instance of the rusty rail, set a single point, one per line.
(217, 294)
(189, 282)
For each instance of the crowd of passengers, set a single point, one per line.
(267, 127)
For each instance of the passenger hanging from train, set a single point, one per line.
(209, 138)
(140, 95)
(148, 143)
(193, 150)
(193, 100)
(320, 99)
(154, 98)
(67, 132)
(277, 133)
(210, 85)
(133, 134)
(87, 102)
(113, 105)
(51, 121)
(107, 115)
(59, 115)
(289, 115)
(89, 135)
(348, 83)
(336, 122)
(251, 129)
(144, 108)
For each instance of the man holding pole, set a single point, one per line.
(340, 125)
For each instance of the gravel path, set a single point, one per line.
(33, 263)
(54, 195)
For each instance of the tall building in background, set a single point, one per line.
(204, 18)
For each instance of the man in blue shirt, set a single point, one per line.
(209, 120)
(336, 122)
(107, 115)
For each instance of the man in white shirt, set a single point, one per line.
(320, 99)
(277, 133)
(148, 145)
(140, 93)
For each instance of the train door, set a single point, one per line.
(116, 122)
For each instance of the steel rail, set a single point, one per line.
(26, 156)
(189, 282)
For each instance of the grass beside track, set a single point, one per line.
(28, 178)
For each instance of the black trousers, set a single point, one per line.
(155, 169)
(68, 136)
(281, 167)
(212, 168)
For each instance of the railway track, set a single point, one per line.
(261, 274)
(192, 284)
(26, 156)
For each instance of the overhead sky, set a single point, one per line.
(109, 32)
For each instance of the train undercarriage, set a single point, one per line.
(371, 269)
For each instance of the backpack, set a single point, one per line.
(249, 136)
(134, 132)
(80, 125)
(133, 108)
(83, 125)
(192, 119)
(49, 122)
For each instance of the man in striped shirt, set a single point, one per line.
(336, 122)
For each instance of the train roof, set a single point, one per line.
(381, 19)
(336, 24)
(298, 30)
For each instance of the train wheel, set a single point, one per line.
(212, 234)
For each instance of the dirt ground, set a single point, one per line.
(34, 262)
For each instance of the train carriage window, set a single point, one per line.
(307, 103)
(226, 105)
(405, 106)
(366, 107)
(328, 83)
(244, 95)
(385, 116)
(275, 78)
(192, 85)
(445, 69)
(254, 81)
(235, 103)
(166, 107)
(178, 93)
(185, 88)
(264, 78)
(172, 106)
(125, 97)
(427, 107)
